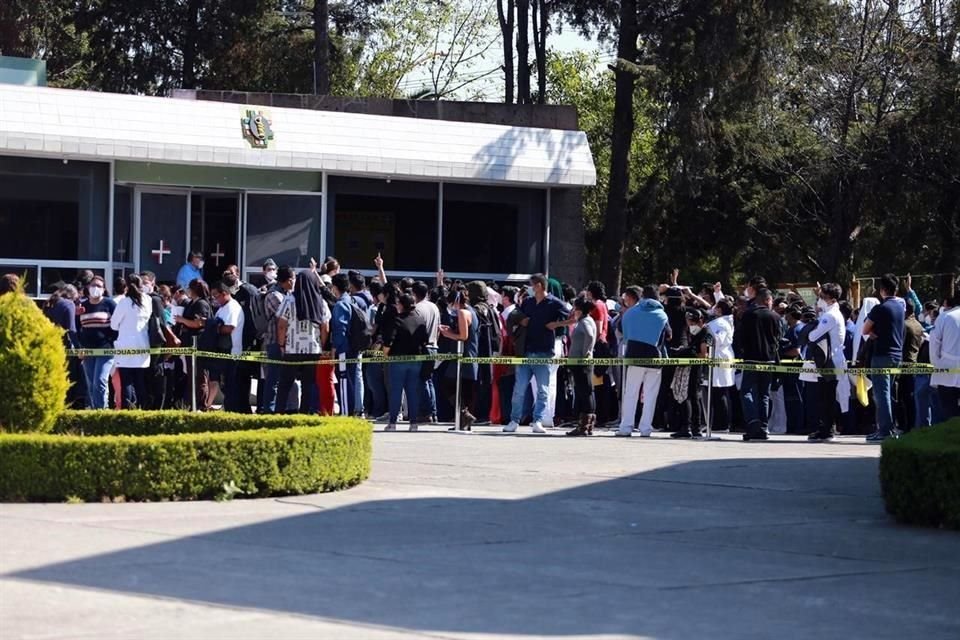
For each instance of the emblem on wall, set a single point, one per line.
(256, 129)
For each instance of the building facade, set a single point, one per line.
(120, 183)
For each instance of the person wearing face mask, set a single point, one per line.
(686, 381)
(272, 347)
(191, 270)
(830, 327)
(94, 332)
(408, 338)
(885, 328)
(196, 312)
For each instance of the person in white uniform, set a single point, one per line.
(831, 327)
(130, 320)
(945, 354)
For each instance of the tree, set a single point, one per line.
(506, 18)
(523, 51)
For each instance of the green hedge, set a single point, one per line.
(134, 423)
(920, 476)
(278, 461)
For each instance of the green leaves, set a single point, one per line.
(33, 367)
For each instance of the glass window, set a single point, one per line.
(396, 219)
(51, 210)
(492, 229)
(122, 223)
(28, 277)
(283, 227)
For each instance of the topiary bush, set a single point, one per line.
(33, 367)
(920, 476)
(329, 454)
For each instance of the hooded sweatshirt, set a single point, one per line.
(643, 327)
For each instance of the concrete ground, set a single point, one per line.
(488, 535)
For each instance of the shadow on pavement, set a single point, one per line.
(721, 548)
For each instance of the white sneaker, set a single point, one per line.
(511, 428)
(548, 424)
(624, 432)
(537, 427)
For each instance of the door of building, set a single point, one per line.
(214, 227)
(161, 222)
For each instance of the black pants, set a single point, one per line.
(906, 406)
(690, 412)
(449, 386)
(133, 383)
(949, 397)
(720, 405)
(505, 388)
(584, 402)
(827, 409)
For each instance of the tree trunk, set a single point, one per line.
(321, 47)
(506, 19)
(523, 51)
(188, 77)
(615, 219)
(540, 23)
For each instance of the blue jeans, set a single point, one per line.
(268, 401)
(755, 396)
(922, 396)
(96, 369)
(354, 400)
(376, 387)
(882, 396)
(428, 393)
(540, 372)
(404, 378)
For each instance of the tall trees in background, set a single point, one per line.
(808, 139)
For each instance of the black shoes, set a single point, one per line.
(756, 435)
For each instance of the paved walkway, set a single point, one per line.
(485, 535)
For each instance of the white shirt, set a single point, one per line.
(130, 323)
(945, 348)
(431, 316)
(506, 313)
(831, 323)
(232, 316)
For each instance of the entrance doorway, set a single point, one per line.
(214, 231)
(170, 223)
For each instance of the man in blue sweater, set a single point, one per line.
(340, 339)
(645, 329)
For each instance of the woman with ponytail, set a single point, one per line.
(130, 321)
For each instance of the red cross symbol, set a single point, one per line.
(162, 251)
(217, 254)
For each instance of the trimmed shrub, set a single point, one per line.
(33, 367)
(920, 476)
(145, 423)
(286, 460)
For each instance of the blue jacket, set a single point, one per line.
(644, 323)
(340, 324)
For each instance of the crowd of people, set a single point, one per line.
(323, 313)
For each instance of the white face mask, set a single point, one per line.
(271, 275)
(695, 329)
(200, 265)
(147, 288)
(530, 290)
(95, 292)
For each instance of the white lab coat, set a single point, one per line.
(831, 322)
(130, 323)
(721, 329)
(945, 348)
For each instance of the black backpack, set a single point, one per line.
(360, 337)
(488, 336)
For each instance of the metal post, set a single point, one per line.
(344, 387)
(456, 408)
(193, 376)
(712, 354)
